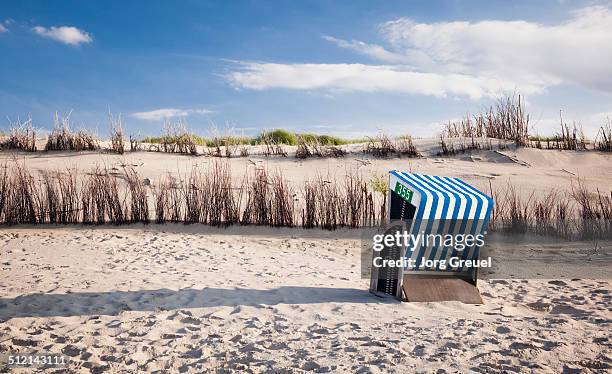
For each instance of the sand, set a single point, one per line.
(176, 298)
(536, 170)
(191, 299)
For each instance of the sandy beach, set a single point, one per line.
(187, 299)
(192, 298)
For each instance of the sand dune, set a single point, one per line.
(538, 170)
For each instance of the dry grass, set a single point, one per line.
(309, 207)
(21, 137)
(117, 144)
(207, 196)
(603, 140)
(258, 209)
(404, 146)
(324, 151)
(303, 150)
(330, 204)
(594, 211)
(307, 147)
(379, 146)
(63, 139)
(273, 147)
(5, 185)
(506, 120)
(21, 200)
(451, 147)
(168, 200)
(101, 199)
(204, 196)
(177, 139)
(382, 146)
(224, 207)
(270, 200)
(571, 138)
(577, 214)
(137, 196)
(232, 147)
(358, 202)
(213, 148)
(196, 197)
(226, 146)
(60, 197)
(244, 151)
(135, 143)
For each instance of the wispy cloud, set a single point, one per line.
(475, 59)
(367, 78)
(166, 113)
(64, 34)
(375, 51)
(4, 25)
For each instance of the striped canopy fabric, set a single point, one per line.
(444, 205)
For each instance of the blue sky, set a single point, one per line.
(344, 67)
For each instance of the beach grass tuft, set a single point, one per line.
(21, 137)
(383, 146)
(603, 140)
(62, 138)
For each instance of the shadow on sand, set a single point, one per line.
(115, 302)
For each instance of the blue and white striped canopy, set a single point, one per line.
(445, 205)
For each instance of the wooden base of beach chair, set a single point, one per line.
(422, 288)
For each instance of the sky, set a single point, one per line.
(347, 68)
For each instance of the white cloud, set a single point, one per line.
(577, 51)
(375, 51)
(64, 34)
(166, 113)
(367, 78)
(2, 28)
(473, 59)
